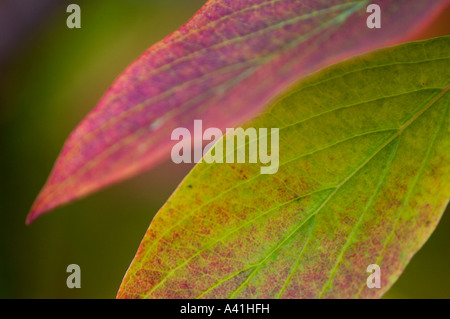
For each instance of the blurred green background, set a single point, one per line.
(50, 78)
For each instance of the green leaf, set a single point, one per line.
(363, 179)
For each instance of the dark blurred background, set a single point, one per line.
(50, 78)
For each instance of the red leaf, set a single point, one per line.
(223, 67)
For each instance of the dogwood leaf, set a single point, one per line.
(363, 179)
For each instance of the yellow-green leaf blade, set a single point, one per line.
(363, 179)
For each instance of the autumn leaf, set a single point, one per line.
(223, 67)
(363, 179)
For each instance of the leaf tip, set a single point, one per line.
(34, 213)
(40, 206)
(30, 218)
